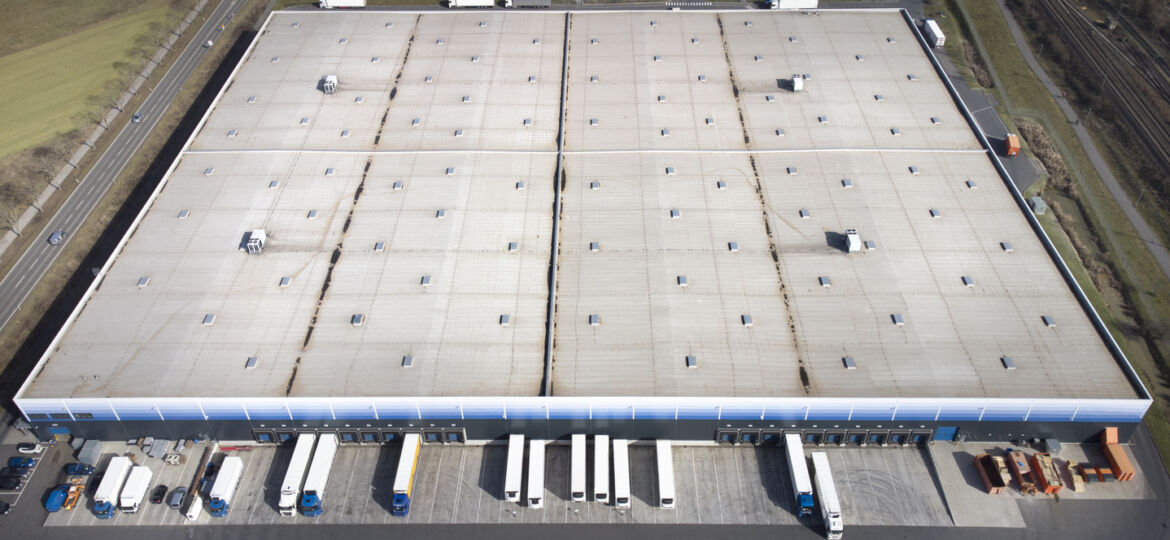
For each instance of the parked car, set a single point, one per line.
(5, 508)
(56, 497)
(21, 462)
(176, 498)
(78, 469)
(209, 44)
(56, 238)
(15, 472)
(9, 484)
(30, 448)
(157, 496)
(136, 118)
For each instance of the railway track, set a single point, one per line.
(1122, 81)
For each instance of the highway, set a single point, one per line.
(39, 257)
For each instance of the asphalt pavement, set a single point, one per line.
(39, 256)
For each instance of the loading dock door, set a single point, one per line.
(945, 433)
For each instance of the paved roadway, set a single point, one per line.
(39, 257)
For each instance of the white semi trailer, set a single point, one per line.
(827, 493)
(105, 499)
(224, 488)
(294, 478)
(802, 490)
(471, 3)
(135, 489)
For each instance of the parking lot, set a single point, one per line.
(463, 484)
(12, 496)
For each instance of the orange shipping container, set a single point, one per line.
(1109, 436)
(1013, 145)
(1118, 461)
(1047, 477)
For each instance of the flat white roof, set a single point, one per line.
(687, 159)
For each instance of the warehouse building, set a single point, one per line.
(700, 226)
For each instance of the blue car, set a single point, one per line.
(78, 469)
(21, 462)
(56, 497)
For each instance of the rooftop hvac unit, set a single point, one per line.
(797, 83)
(329, 84)
(255, 241)
(852, 241)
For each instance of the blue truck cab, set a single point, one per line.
(806, 504)
(311, 504)
(400, 506)
(218, 507)
(56, 497)
(103, 510)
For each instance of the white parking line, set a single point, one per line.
(458, 485)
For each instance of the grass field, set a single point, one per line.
(45, 87)
(1140, 277)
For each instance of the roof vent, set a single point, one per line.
(895, 131)
(702, 78)
(594, 320)
(536, 41)
(450, 171)
(662, 99)
(208, 319)
(692, 362)
(694, 41)
(390, 25)
(594, 246)
(416, 122)
(674, 213)
(792, 39)
(891, 39)
(143, 282)
(1007, 362)
(429, 79)
(285, 281)
(870, 244)
(968, 281)
(593, 78)
(1048, 321)
(527, 122)
(397, 185)
(232, 133)
(733, 246)
(329, 171)
(804, 213)
(520, 185)
(914, 170)
(251, 99)
(823, 119)
(657, 58)
(467, 99)
(379, 247)
(513, 246)
(184, 214)
(595, 185)
(935, 120)
(459, 133)
(1006, 246)
(665, 132)
(275, 59)
(710, 121)
(505, 319)
(274, 184)
(594, 41)
(846, 183)
(343, 41)
(254, 241)
(721, 185)
(532, 78)
(425, 281)
(759, 58)
(860, 58)
(791, 171)
(670, 171)
(209, 171)
(825, 281)
(441, 214)
(879, 97)
(251, 363)
(593, 122)
(897, 318)
(934, 213)
(305, 121)
(408, 361)
(440, 41)
(746, 320)
(770, 98)
(344, 133)
(972, 185)
(475, 59)
(312, 214)
(682, 281)
(780, 132)
(848, 362)
(747, 24)
(911, 76)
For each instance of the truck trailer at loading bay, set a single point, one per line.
(832, 278)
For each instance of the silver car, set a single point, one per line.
(57, 237)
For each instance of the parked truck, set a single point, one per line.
(802, 489)
(934, 34)
(471, 3)
(536, 4)
(404, 477)
(135, 489)
(1122, 468)
(827, 493)
(225, 485)
(105, 499)
(294, 478)
(312, 498)
(342, 4)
